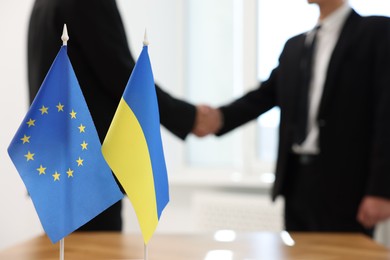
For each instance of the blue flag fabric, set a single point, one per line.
(57, 153)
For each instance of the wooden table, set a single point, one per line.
(244, 246)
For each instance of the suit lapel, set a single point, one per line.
(337, 59)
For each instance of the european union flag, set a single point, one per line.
(57, 153)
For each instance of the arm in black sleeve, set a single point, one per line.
(249, 106)
(176, 115)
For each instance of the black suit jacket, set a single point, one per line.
(99, 52)
(354, 113)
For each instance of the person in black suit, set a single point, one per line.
(100, 54)
(337, 177)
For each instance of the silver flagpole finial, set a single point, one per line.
(146, 42)
(65, 36)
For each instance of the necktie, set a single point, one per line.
(307, 69)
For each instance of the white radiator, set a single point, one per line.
(241, 212)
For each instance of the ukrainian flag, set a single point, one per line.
(133, 147)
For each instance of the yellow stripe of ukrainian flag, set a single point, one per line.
(126, 151)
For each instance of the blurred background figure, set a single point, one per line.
(332, 88)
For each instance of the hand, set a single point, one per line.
(373, 210)
(208, 121)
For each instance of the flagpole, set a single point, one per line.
(62, 245)
(145, 252)
(64, 38)
(146, 43)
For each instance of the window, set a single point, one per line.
(210, 76)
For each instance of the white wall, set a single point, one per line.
(18, 220)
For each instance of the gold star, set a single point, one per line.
(56, 176)
(79, 162)
(44, 110)
(72, 114)
(29, 156)
(31, 122)
(41, 170)
(84, 145)
(25, 139)
(82, 128)
(60, 107)
(70, 173)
